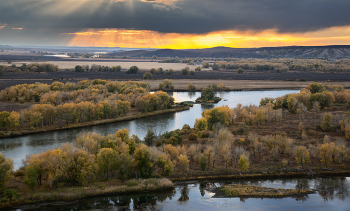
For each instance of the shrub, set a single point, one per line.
(198, 68)
(10, 193)
(242, 128)
(240, 70)
(206, 65)
(205, 133)
(191, 87)
(102, 186)
(186, 127)
(192, 72)
(147, 75)
(302, 79)
(200, 134)
(132, 183)
(185, 71)
(284, 162)
(161, 86)
(192, 137)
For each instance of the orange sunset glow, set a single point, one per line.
(248, 39)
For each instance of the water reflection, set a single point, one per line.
(184, 193)
(193, 195)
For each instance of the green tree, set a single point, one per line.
(208, 93)
(133, 70)
(106, 160)
(203, 162)
(30, 177)
(150, 137)
(78, 68)
(124, 166)
(6, 166)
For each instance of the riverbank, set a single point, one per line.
(264, 175)
(64, 195)
(5, 134)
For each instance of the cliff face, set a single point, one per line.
(330, 52)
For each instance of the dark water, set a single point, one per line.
(18, 147)
(330, 194)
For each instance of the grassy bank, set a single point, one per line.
(4, 134)
(25, 196)
(265, 175)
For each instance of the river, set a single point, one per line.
(331, 193)
(18, 147)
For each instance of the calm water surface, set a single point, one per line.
(330, 194)
(18, 147)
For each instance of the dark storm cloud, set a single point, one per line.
(185, 16)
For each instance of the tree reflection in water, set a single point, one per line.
(329, 188)
(184, 193)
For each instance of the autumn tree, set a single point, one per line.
(191, 87)
(200, 124)
(325, 153)
(243, 162)
(302, 155)
(327, 121)
(184, 162)
(55, 164)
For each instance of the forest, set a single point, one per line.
(62, 104)
(289, 135)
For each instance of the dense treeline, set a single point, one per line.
(283, 65)
(63, 104)
(35, 67)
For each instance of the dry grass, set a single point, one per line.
(252, 190)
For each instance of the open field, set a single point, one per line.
(201, 79)
(143, 65)
(242, 84)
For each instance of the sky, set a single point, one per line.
(177, 24)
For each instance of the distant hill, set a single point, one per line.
(330, 52)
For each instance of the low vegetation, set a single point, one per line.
(238, 190)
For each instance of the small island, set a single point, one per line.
(208, 96)
(238, 190)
